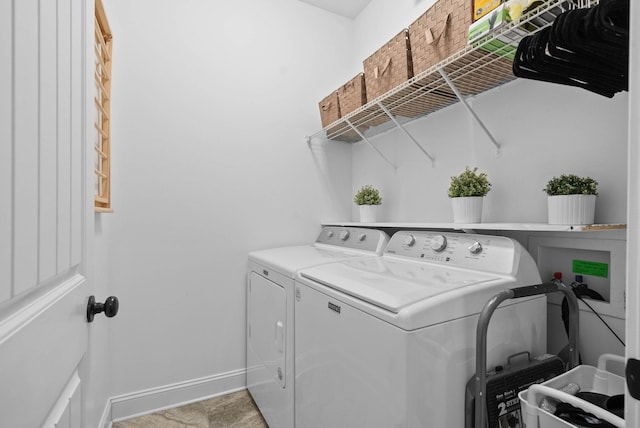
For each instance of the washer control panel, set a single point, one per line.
(484, 252)
(353, 238)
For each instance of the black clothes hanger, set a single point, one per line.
(612, 21)
(586, 48)
(532, 62)
(579, 417)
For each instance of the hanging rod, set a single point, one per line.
(468, 107)
(369, 143)
(402, 128)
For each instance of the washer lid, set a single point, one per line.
(393, 285)
(289, 260)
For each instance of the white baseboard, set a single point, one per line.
(140, 403)
(105, 420)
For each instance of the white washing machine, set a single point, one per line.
(390, 341)
(270, 312)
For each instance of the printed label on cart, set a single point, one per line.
(508, 414)
(583, 267)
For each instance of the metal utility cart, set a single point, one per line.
(476, 407)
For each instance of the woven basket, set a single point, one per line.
(329, 109)
(389, 66)
(439, 33)
(352, 95)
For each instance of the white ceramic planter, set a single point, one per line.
(467, 209)
(368, 213)
(572, 209)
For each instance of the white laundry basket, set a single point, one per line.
(589, 378)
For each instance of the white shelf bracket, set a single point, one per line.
(309, 138)
(369, 143)
(312, 140)
(402, 128)
(468, 107)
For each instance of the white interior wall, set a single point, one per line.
(211, 102)
(544, 131)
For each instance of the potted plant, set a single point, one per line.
(467, 192)
(368, 198)
(571, 199)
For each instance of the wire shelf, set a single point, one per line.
(483, 65)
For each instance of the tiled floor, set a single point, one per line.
(235, 410)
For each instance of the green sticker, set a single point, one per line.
(584, 267)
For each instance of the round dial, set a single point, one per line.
(330, 234)
(344, 235)
(362, 237)
(409, 240)
(475, 248)
(438, 243)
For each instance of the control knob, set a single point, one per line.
(344, 235)
(475, 248)
(362, 237)
(330, 234)
(409, 240)
(439, 243)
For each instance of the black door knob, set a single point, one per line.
(109, 307)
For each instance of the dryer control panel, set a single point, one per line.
(353, 238)
(483, 252)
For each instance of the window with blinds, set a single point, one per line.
(103, 39)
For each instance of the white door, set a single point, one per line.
(45, 210)
(632, 406)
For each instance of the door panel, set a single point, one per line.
(66, 412)
(76, 168)
(48, 140)
(41, 346)
(6, 166)
(64, 135)
(41, 152)
(25, 147)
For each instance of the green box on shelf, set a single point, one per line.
(502, 45)
(497, 46)
(488, 23)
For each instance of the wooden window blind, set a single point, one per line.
(103, 41)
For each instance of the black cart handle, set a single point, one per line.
(534, 290)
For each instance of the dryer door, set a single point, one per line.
(267, 326)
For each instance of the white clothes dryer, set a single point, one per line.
(390, 341)
(270, 312)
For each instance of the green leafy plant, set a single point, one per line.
(570, 184)
(469, 183)
(367, 195)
